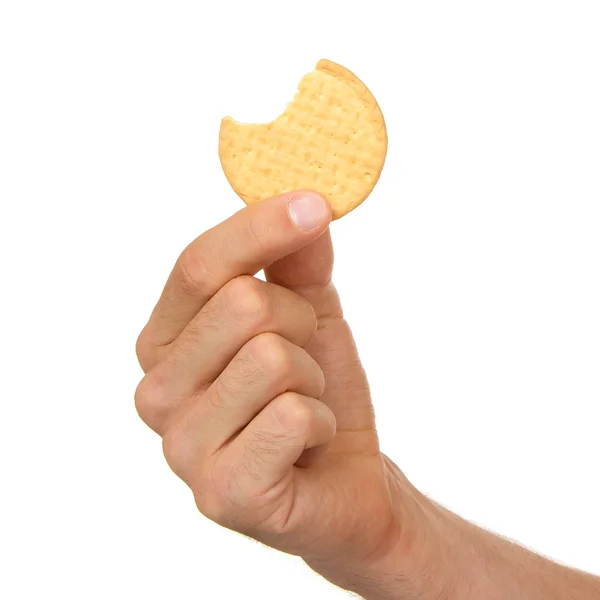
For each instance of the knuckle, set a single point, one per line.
(191, 272)
(141, 351)
(177, 451)
(271, 352)
(144, 349)
(247, 301)
(149, 399)
(170, 447)
(293, 413)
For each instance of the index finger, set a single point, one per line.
(247, 242)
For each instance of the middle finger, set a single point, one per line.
(241, 310)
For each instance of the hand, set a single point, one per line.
(264, 408)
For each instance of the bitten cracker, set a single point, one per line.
(331, 138)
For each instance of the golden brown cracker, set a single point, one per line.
(331, 138)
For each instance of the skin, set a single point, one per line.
(264, 410)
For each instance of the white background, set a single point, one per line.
(470, 276)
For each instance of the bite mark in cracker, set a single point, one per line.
(331, 138)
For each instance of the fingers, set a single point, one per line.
(243, 309)
(274, 441)
(266, 367)
(256, 462)
(347, 391)
(250, 240)
(308, 272)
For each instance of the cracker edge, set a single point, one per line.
(339, 72)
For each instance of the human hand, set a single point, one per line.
(264, 408)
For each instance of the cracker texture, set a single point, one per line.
(331, 138)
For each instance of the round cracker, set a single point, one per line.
(331, 138)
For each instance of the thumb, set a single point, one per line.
(308, 272)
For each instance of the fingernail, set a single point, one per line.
(307, 210)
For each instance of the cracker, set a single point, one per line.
(331, 138)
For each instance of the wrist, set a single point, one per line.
(423, 561)
(429, 553)
(415, 560)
